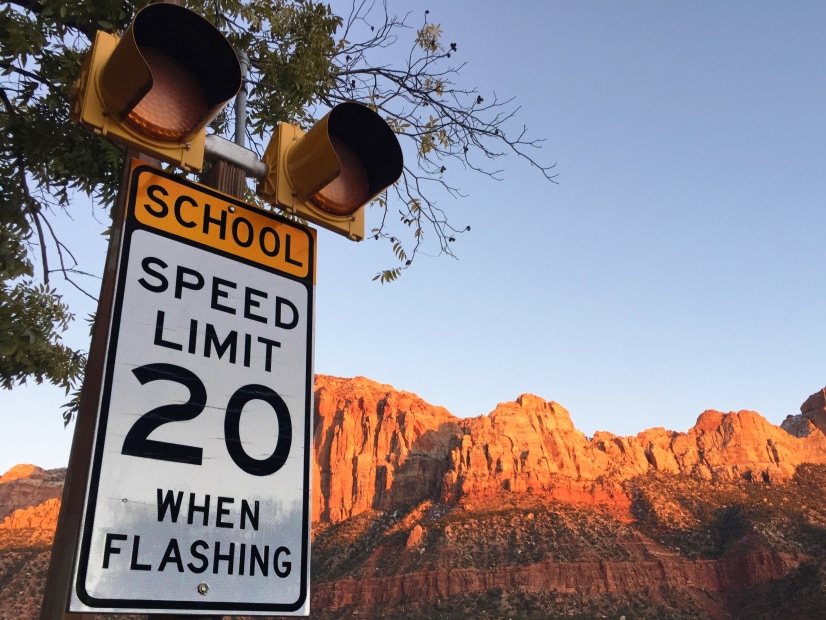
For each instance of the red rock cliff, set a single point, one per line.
(378, 448)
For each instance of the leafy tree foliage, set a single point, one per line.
(303, 58)
(31, 315)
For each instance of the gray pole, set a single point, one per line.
(241, 100)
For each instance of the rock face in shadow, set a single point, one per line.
(420, 514)
(814, 409)
(571, 578)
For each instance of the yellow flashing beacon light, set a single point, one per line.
(327, 175)
(157, 87)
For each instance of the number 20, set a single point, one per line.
(137, 442)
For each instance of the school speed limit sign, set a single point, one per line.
(199, 490)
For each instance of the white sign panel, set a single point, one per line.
(199, 490)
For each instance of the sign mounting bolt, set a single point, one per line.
(203, 588)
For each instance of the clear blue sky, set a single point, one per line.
(677, 266)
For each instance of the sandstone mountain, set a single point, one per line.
(419, 514)
(377, 448)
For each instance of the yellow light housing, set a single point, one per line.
(328, 174)
(158, 86)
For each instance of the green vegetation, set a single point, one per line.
(304, 59)
(675, 519)
(519, 535)
(701, 519)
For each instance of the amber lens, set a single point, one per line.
(350, 189)
(174, 105)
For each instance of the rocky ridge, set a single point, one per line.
(379, 449)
